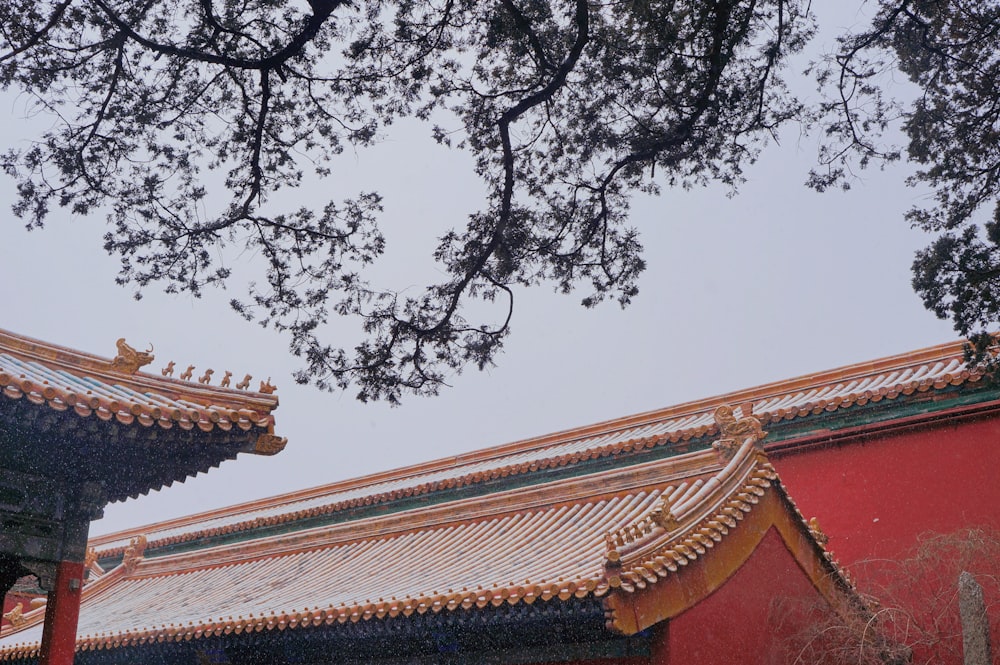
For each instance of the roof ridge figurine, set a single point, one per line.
(129, 360)
(733, 431)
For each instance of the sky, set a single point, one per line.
(773, 283)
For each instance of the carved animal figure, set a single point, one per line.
(206, 377)
(16, 615)
(186, 374)
(731, 428)
(134, 552)
(266, 387)
(817, 532)
(245, 383)
(168, 370)
(128, 359)
(225, 380)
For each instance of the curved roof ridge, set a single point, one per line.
(91, 385)
(935, 367)
(94, 400)
(495, 506)
(99, 367)
(677, 532)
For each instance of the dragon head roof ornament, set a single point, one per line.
(734, 431)
(129, 360)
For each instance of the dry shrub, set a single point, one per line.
(913, 614)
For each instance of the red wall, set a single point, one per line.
(745, 620)
(873, 497)
(738, 623)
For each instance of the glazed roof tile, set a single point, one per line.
(68, 415)
(518, 546)
(511, 558)
(66, 379)
(932, 369)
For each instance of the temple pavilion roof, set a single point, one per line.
(605, 541)
(65, 413)
(627, 523)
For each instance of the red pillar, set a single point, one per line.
(62, 611)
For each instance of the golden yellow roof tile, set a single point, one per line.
(936, 368)
(114, 389)
(606, 536)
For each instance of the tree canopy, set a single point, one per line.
(568, 107)
(950, 51)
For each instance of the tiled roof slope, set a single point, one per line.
(607, 535)
(934, 369)
(74, 416)
(65, 379)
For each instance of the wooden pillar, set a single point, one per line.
(62, 611)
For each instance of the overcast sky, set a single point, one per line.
(774, 283)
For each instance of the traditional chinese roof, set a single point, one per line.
(68, 413)
(912, 385)
(625, 523)
(605, 541)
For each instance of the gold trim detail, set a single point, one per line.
(134, 553)
(817, 532)
(734, 431)
(695, 517)
(678, 530)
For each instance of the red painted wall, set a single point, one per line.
(738, 623)
(875, 496)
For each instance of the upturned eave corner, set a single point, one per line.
(269, 444)
(700, 534)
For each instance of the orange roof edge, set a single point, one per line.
(618, 552)
(921, 356)
(28, 348)
(711, 534)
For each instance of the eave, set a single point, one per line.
(74, 417)
(657, 573)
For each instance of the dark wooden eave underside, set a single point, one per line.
(542, 632)
(128, 460)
